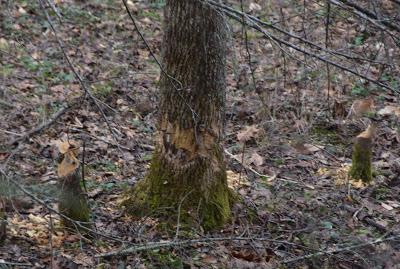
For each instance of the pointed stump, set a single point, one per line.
(72, 199)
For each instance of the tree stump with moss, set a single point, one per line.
(72, 199)
(187, 180)
(361, 167)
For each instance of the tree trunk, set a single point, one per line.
(187, 172)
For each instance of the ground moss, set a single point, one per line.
(327, 134)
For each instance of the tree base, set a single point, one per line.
(165, 193)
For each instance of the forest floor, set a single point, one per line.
(288, 142)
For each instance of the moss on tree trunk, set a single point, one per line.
(187, 173)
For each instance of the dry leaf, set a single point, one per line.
(248, 133)
(254, 6)
(312, 148)
(37, 219)
(389, 110)
(256, 159)
(359, 107)
(386, 206)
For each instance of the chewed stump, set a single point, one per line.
(361, 168)
(72, 199)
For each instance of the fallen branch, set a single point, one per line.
(143, 146)
(15, 263)
(168, 244)
(337, 250)
(365, 218)
(291, 35)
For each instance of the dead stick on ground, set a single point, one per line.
(158, 245)
(337, 250)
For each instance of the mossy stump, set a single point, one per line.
(72, 201)
(361, 167)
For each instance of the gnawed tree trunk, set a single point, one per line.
(361, 167)
(72, 199)
(188, 170)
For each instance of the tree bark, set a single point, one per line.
(187, 171)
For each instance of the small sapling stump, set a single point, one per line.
(72, 199)
(361, 167)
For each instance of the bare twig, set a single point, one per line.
(7, 104)
(144, 146)
(271, 178)
(291, 35)
(253, 24)
(178, 224)
(371, 15)
(75, 72)
(45, 125)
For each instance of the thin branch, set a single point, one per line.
(253, 24)
(291, 35)
(45, 125)
(371, 15)
(77, 75)
(143, 146)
